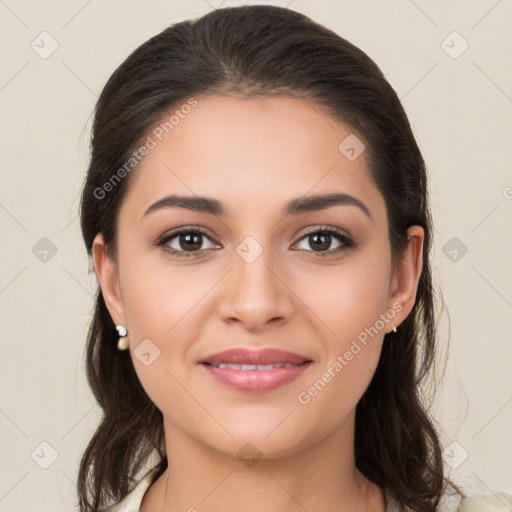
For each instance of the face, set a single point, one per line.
(316, 281)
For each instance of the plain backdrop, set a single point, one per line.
(448, 61)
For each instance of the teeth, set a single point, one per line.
(254, 366)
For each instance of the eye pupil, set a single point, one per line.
(190, 237)
(322, 244)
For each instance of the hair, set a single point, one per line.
(263, 51)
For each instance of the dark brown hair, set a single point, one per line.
(253, 51)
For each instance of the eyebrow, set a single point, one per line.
(294, 207)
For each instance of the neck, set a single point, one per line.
(322, 476)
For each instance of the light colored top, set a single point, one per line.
(500, 502)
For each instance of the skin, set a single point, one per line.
(254, 156)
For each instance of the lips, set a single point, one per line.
(255, 370)
(264, 357)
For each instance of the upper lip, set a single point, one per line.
(260, 357)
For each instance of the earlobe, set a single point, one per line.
(108, 279)
(407, 274)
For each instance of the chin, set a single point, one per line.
(270, 440)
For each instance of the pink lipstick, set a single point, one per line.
(255, 370)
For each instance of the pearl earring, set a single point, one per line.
(394, 328)
(122, 344)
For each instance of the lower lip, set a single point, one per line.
(256, 381)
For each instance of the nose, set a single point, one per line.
(255, 293)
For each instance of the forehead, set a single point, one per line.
(250, 153)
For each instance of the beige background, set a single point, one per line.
(460, 106)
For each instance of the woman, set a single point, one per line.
(256, 209)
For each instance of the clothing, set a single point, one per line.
(494, 503)
(132, 501)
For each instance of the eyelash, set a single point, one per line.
(335, 233)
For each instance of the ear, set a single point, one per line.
(108, 278)
(406, 275)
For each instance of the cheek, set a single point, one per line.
(335, 390)
(353, 342)
(347, 298)
(162, 304)
(160, 299)
(349, 304)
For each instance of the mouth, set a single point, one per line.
(263, 357)
(259, 367)
(255, 371)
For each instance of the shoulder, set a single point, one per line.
(132, 501)
(475, 500)
(500, 502)
(451, 502)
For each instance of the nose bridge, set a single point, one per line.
(254, 267)
(256, 294)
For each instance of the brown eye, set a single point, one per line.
(190, 241)
(185, 242)
(320, 240)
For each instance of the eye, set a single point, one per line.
(184, 241)
(321, 238)
(188, 241)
